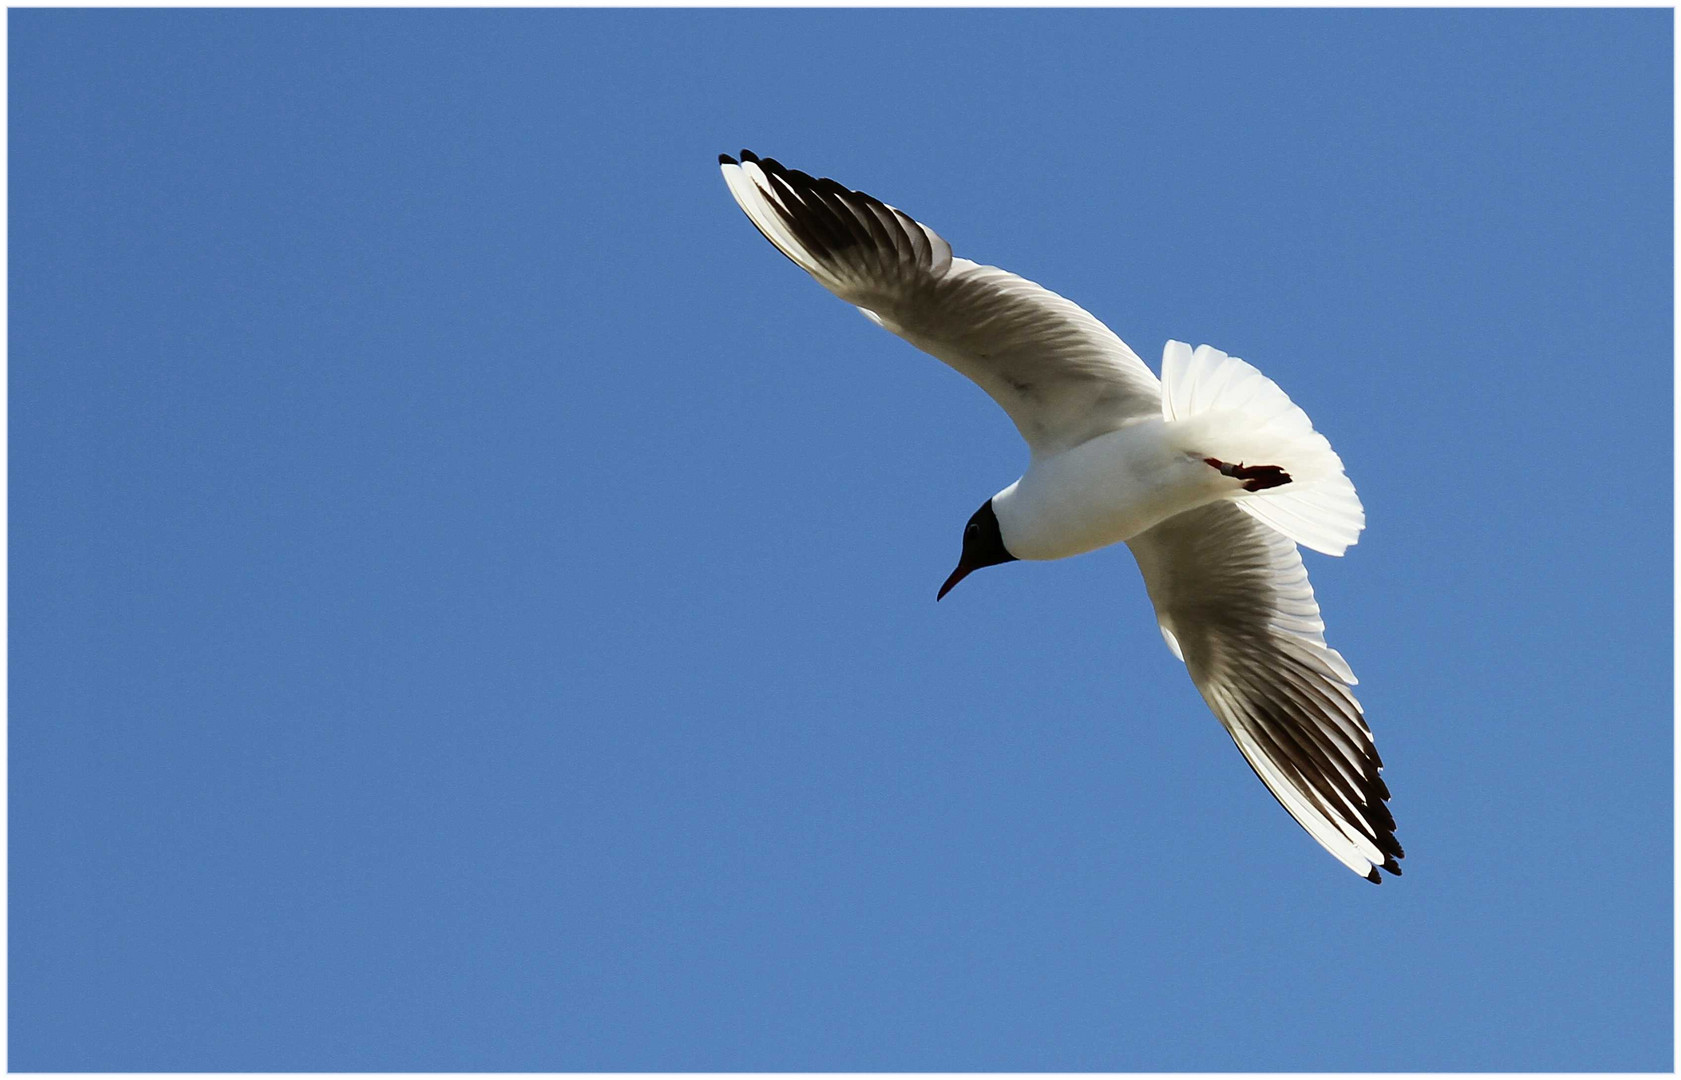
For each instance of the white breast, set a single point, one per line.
(1102, 492)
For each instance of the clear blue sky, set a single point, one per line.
(473, 600)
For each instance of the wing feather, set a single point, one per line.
(1234, 596)
(1061, 375)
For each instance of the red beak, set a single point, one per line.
(957, 575)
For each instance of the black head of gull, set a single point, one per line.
(983, 545)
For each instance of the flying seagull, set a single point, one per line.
(1211, 475)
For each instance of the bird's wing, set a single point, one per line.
(1235, 605)
(1060, 374)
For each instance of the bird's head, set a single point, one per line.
(983, 545)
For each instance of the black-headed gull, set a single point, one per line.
(1211, 475)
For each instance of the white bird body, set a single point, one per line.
(1210, 474)
(1104, 491)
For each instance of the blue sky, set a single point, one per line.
(473, 600)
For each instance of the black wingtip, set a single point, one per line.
(1392, 866)
(725, 159)
(748, 155)
(1374, 877)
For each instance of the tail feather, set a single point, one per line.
(1233, 412)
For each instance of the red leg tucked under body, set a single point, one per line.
(1254, 477)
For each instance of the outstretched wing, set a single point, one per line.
(1234, 603)
(1061, 375)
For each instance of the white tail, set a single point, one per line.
(1231, 411)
